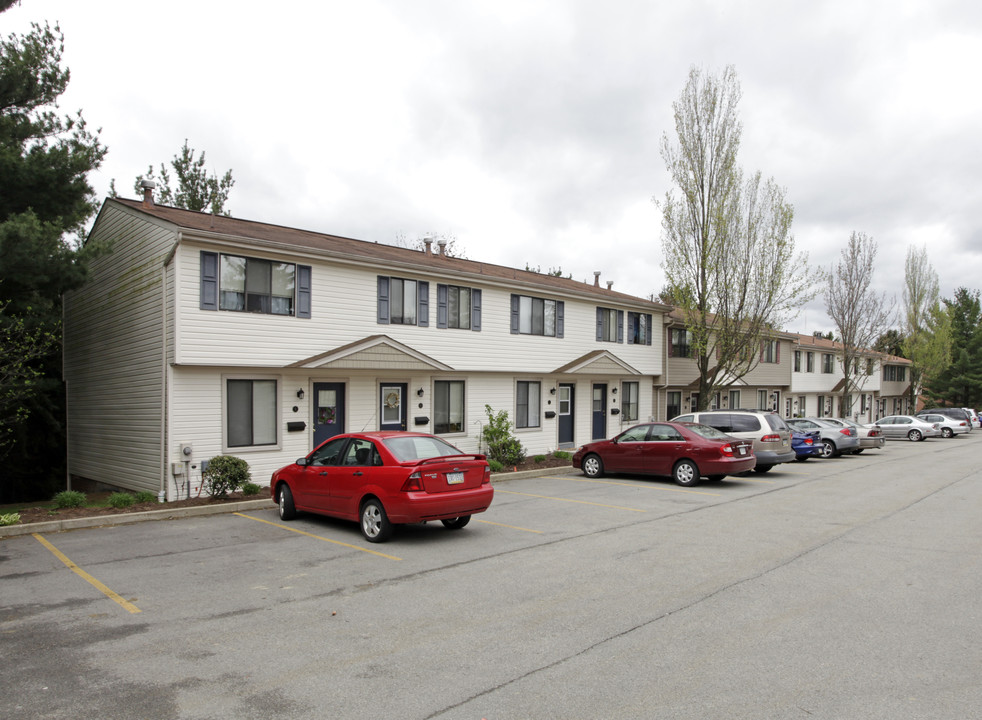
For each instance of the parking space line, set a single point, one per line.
(318, 537)
(570, 500)
(510, 527)
(130, 607)
(639, 485)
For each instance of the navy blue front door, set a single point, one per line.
(599, 411)
(328, 411)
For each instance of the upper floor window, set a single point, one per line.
(770, 351)
(681, 343)
(809, 362)
(403, 302)
(639, 328)
(610, 325)
(537, 316)
(797, 360)
(827, 363)
(245, 284)
(895, 373)
(458, 307)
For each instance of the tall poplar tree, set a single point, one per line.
(926, 324)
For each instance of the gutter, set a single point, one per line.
(164, 388)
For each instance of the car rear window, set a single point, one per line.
(419, 447)
(776, 422)
(710, 433)
(744, 423)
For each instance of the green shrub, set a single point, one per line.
(9, 519)
(562, 455)
(250, 489)
(502, 445)
(539, 458)
(119, 500)
(69, 499)
(145, 496)
(225, 474)
(495, 465)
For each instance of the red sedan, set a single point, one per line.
(683, 451)
(381, 479)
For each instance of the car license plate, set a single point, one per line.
(455, 478)
(743, 450)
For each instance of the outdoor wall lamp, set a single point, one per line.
(552, 391)
(614, 391)
(419, 392)
(300, 394)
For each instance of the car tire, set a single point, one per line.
(801, 458)
(946, 432)
(715, 478)
(375, 525)
(915, 436)
(593, 466)
(286, 507)
(763, 468)
(828, 449)
(456, 523)
(685, 473)
(858, 452)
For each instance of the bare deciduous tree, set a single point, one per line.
(730, 259)
(860, 314)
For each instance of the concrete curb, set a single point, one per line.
(217, 509)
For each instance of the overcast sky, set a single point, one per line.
(530, 131)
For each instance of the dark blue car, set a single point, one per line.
(805, 444)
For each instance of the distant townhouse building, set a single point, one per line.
(200, 335)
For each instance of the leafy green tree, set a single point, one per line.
(195, 189)
(45, 202)
(927, 325)
(730, 258)
(890, 342)
(960, 384)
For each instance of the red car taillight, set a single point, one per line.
(487, 475)
(771, 438)
(414, 483)
(874, 432)
(809, 441)
(726, 450)
(845, 431)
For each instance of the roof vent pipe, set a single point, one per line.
(148, 186)
(610, 284)
(442, 244)
(596, 278)
(428, 242)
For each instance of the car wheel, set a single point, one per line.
(685, 473)
(828, 449)
(287, 509)
(858, 452)
(456, 523)
(593, 466)
(375, 525)
(716, 478)
(801, 458)
(915, 435)
(946, 432)
(763, 468)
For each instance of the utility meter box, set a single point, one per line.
(187, 450)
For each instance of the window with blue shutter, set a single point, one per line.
(403, 302)
(536, 316)
(209, 281)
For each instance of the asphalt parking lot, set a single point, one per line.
(840, 588)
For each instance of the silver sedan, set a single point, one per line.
(898, 427)
(836, 439)
(870, 436)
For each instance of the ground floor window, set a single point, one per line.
(527, 395)
(674, 404)
(250, 413)
(762, 400)
(448, 406)
(734, 399)
(629, 401)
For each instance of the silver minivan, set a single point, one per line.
(771, 435)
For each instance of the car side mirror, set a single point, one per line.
(302, 462)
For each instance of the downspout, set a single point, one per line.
(164, 428)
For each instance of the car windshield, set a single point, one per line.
(710, 433)
(419, 447)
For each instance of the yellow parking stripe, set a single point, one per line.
(580, 502)
(318, 537)
(510, 527)
(85, 576)
(637, 485)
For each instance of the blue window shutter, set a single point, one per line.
(441, 306)
(423, 289)
(209, 281)
(383, 300)
(560, 318)
(515, 300)
(476, 310)
(600, 324)
(620, 326)
(303, 291)
(632, 321)
(649, 329)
